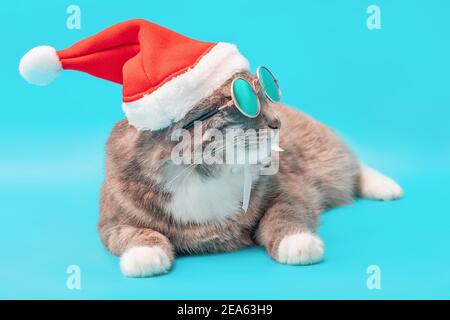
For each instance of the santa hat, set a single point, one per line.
(163, 74)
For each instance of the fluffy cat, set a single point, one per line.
(152, 209)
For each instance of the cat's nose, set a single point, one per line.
(273, 122)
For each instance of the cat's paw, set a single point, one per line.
(376, 186)
(300, 248)
(144, 261)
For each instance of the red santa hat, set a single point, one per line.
(163, 74)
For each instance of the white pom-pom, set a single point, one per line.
(40, 65)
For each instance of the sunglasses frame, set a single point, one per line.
(233, 101)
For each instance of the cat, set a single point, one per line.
(152, 210)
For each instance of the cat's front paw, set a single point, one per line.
(300, 248)
(144, 261)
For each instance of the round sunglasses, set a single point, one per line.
(245, 96)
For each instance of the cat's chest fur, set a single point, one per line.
(200, 199)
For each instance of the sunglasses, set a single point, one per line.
(245, 96)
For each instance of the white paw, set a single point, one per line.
(376, 186)
(144, 261)
(300, 248)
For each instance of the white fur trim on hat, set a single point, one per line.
(40, 65)
(173, 100)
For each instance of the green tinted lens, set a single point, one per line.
(245, 98)
(269, 84)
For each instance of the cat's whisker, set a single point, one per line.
(223, 147)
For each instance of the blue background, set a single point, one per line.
(385, 91)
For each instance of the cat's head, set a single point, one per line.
(165, 151)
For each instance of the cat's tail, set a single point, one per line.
(376, 186)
